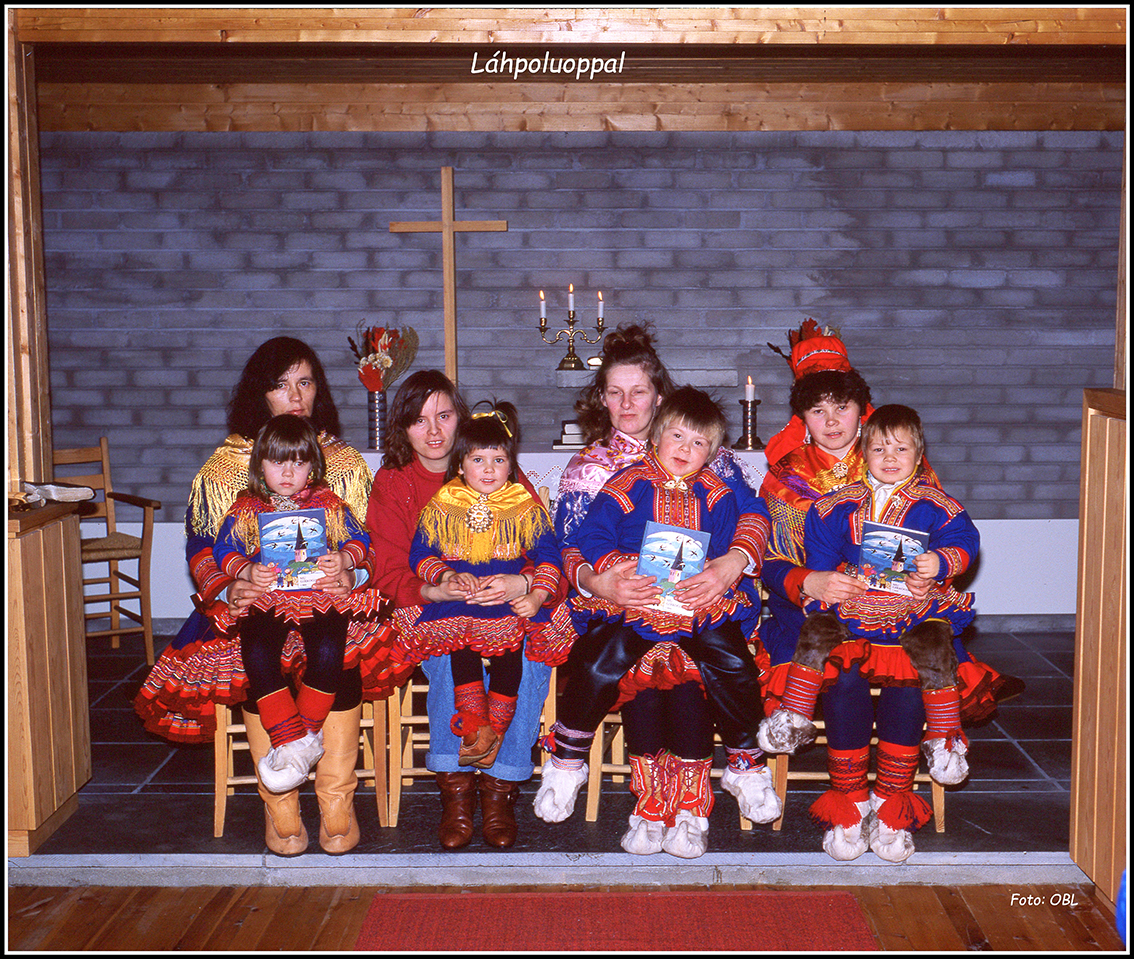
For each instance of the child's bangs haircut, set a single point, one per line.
(888, 420)
(695, 410)
(496, 428)
(283, 438)
(838, 386)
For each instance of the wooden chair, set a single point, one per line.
(781, 773)
(408, 727)
(230, 739)
(112, 548)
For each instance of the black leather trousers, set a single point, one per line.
(606, 652)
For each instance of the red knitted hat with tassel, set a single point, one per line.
(813, 350)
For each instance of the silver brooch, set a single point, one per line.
(479, 517)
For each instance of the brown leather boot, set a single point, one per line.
(458, 803)
(497, 801)
(475, 747)
(284, 831)
(336, 781)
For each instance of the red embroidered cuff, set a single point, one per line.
(752, 532)
(954, 561)
(547, 578)
(431, 570)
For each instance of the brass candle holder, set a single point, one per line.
(571, 360)
(748, 438)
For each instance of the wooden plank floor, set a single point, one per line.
(1055, 918)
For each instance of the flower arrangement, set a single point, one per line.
(383, 355)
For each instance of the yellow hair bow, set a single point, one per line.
(500, 416)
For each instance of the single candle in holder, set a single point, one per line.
(570, 297)
(748, 438)
(600, 304)
(542, 306)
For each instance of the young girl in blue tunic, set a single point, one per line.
(482, 524)
(286, 472)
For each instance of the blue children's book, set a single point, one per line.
(887, 556)
(672, 554)
(293, 541)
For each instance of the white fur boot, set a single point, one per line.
(845, 843)
(688, 837)
(754, 792)
(784, 732)
(946, 766)
(644, 837)
(558, 789)
(893, 845)
(286, 767)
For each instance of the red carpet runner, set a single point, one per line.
(652, 921)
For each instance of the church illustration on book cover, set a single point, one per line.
(887, 556)
(293, 541)
(672, 554)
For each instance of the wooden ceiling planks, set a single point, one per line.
(579, 25)
(685, 68)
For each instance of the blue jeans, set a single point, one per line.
(514, 761)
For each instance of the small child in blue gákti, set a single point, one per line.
(482, 524)
(286, 472)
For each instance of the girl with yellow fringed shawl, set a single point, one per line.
(481, 524)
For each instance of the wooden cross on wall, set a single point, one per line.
(447, 226)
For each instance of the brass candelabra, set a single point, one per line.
(571, 360)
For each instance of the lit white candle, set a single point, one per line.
(571, 297)
(749, 390)
(600, 304)
(542, 306)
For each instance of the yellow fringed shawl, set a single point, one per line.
(517, 522)
(225, 475)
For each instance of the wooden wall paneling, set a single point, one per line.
(1098, 758)
(29, 420)
(49, 751)
(1120, 318)
(512, 106)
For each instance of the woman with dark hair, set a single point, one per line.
(424, 417)
(199, 669)
(257, 394)
(666, 717)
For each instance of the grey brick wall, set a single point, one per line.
(972, 274)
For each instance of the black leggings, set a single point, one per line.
(849, 713)
(262, 638)
(676, 719)
(606, 652)
(504, 670)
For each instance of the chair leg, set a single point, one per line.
(779, 776)
(147, 616)
(938, 806)
(394, 732)
(594, 773)
(221, 760)
(377, 760)
(115, 586)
